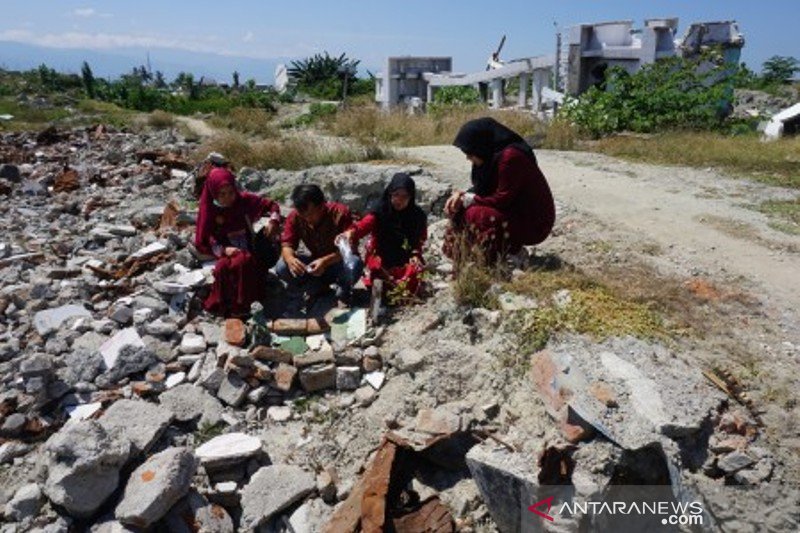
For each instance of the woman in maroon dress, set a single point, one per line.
(225, 231)
(510, 203)
(398, 228)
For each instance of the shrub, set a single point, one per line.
(672, 93)
(161, 119)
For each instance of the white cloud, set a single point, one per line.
(248, 37)
(84, 12)
(108, 41)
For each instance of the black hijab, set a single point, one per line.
(487, 138)
(399, 232)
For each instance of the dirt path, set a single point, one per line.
(698, 218)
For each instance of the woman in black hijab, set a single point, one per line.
(509, 204)
(398, 228)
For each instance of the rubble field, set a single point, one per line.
(124, 407)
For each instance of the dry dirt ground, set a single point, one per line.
(686, 227)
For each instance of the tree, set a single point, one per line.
(158, 81)
(322, 75)
(235, 79)
(88, 79)
(780, 69)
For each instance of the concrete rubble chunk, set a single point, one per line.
(734, 461)
(323, 355)
(195, 513)
(271, 355)
(10, 450)
(233, 389)
(631, 408)
(285, 376)
(348, 377)
(26, 502)
(228, 449)
(149, 251)
(155, 486)
(130, 360)
(440, 421)
(84, 462)
(192, 343)
(111, 348)
(279, 413)
(139, 421)
(188, 403)
(318, 377)
(272, 489)
(50, 320)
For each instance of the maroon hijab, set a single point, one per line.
(213, 220)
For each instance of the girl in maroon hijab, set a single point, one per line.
(225, 230)
(510, 203)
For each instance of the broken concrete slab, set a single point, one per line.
(25, 503)
(195, 513)
(192, 343)
(228, 449)
(155, 486)
(84, 462)
(111, 348)
(188, 403)
(233, 389)
(675, 406)
(139, 421)
(272, 489)
(49, 320)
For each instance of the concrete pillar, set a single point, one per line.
(522, 102)
(430, 94)
(541, 78)
(497, 93)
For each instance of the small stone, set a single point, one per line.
(26, 502)
(233, 390)
(759, 473)
(734, 461)
(365, 395)
(175, 379)
(313, 357)
(228, 449)
(50, 320)
(192, 344)
(271, 355)
(326, 486)
(348, 377)
(121, 314)
(110, 349)
(10, 450)
(149, 251)
(161, 328)
(235, 332)
(83, 411)
(284, 377)
(13, 425)
(375, 379)
(371, 364)
(318, 377)
(279, 413)
(196, 513)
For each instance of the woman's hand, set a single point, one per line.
(271, 229)
(296, 267)
(230, 251)
(453, 204)
(415, 261)
(317, 267)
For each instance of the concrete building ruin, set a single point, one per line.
(589, 50)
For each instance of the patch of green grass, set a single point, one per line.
(784, 214)
(583, 306)
(252, 121)
(161, 120)
(27, 117)
(206, 432)
(773, 163)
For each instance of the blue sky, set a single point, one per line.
(467, 30)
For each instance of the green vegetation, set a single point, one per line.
(784, 214)
(449, 99)
(572, 302)
(326, 77)
(774, 163)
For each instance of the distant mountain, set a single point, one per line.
(18, 56)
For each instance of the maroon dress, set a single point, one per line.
(239, 280)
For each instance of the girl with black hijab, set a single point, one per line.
(509, 204)
(398, 228)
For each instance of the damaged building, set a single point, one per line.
(589, 51)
